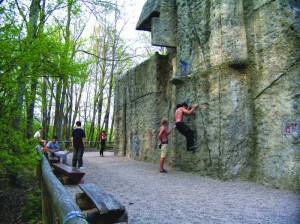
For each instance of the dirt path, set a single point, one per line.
(185, 198)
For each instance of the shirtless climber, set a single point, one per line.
(181, 110)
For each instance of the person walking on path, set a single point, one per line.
(78, 138)
(102, 138)
(182, 110)
(164, 132)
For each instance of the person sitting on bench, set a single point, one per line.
(54, 149)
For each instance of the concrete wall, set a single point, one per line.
(240, 57)
(142, 97)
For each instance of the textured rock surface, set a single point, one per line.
(240, 57)
(142, 96)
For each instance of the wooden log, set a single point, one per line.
(48, 216)
(108, 209)
(84, 202)
(104, 202)
(74, 175)
(64, 206)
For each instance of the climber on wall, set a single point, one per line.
(181, 110)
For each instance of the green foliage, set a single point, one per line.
(32, 210)
(18, 157)
(26, 56)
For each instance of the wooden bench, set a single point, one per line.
(53, 160)
(68, 174)
(99, 206)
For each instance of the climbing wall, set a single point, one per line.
(242, 59)
(141, 100)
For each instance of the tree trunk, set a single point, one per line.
(69, 122)
(111, 131)
(57, 105)
(61, 111)
(19, 101)
(77, 104)
(44, 107)
(66, 114)
(30, 108)
(91, 134)
(50, 105)
(32, 28)
(102, 79)
(107, 113)
(32, 32)
(85, 107)
(111, 81)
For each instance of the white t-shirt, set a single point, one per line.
(37, 135)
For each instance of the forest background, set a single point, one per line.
(58, 63)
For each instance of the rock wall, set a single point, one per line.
(242, 59)
(141, 97)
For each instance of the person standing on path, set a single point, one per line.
(78, 138)
(181, 110)
(164, 132)
(102, 138)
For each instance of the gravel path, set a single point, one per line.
(186, 198)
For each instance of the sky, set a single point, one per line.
(132, 10)
(138, 41)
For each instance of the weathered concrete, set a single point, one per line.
(243, 59)
(142, 97)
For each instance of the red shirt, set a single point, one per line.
(102, 136)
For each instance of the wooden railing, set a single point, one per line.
(57, 203)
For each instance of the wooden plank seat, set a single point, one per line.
(100, 207)
(68, 174)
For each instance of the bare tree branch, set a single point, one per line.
(21, 12)
(108, 59)
(57, 7)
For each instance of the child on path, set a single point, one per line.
(163, 138)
